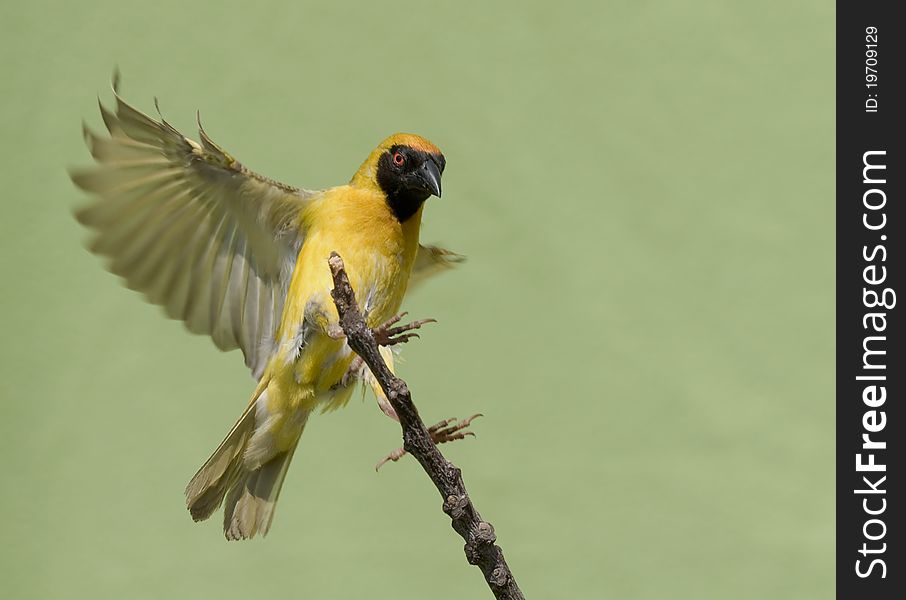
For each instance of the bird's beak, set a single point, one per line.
(429, 177)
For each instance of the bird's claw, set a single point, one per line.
(448, 430)
(352, 373)
(388, 335)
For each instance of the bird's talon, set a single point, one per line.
(448, 430)
(440, 425)
(388, 335)
(351, 374)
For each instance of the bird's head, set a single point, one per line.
(406, 168)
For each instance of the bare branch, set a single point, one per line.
(478, 534)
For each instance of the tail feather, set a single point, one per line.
(206, 490)
(235, 475)
(252, 499)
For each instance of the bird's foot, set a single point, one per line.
(388, 335)
(351, 375)
(448, 430)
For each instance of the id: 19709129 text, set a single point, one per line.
(871, 69)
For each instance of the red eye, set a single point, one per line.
(398, 159)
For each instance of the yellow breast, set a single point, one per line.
(378, 252)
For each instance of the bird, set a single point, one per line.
(243, 258)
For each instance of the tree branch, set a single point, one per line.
(478, 534)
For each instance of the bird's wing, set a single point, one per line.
(431, 260)
(196, 232)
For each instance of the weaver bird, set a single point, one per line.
(243, 258)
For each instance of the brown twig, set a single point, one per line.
(478, 534)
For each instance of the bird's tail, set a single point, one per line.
(251, 493)
(251, 500)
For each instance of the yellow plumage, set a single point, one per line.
(244, 259)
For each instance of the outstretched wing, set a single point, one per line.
(192, 229)
(431, 260)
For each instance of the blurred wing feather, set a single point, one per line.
(431, 260)
(192, 229)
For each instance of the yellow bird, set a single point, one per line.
(243, 258)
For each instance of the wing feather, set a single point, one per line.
(431, 260)
(191, 228)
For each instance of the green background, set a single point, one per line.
(645, 194)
